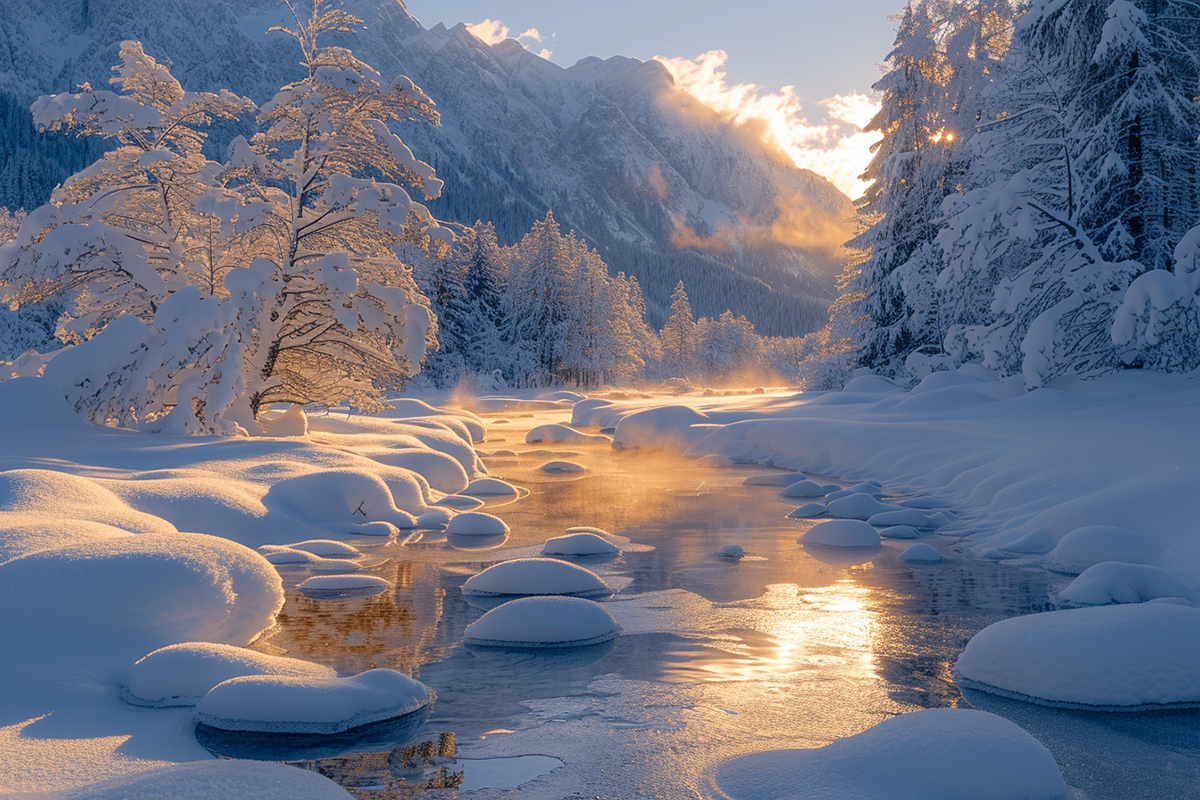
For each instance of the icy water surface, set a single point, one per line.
(718, 658)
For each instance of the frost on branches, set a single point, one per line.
(202, 291)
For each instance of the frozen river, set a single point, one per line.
(718, 657)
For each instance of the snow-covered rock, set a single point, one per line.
(1119, 657)
(460, 502)
(899, 532)
(804, 488)
(1091, 544)
(908, 516)
(476, 523)
(1118, 582)
(733, 552)
(539, 622)
(856, 506)
(807, 510)
(537, 576)
(180, 674)
(489, 487)
(311, 705)
(563, 434)
(327, 586)
(935, 754)
(584, 543)
(561, 468)
(841, 533)
(920, 554)
(326, 548)
(341, 499)
(665, 427)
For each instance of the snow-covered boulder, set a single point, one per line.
(327, 586)
(807, 510)
(539, 622)
(181, 674)
(460, 502)
(537, 576)
(935, 754)
(584, 543)
(868, 487)
(907, 516)
(841, 533)
(489, 487)
(921, 554)
(804, 488)
(1118, 582)
(562, 434)
(476, 523)
(435, 519)
(1120, 657)
(311, 705)
(856, 506)
(1091, 544)
(343, 499)
(899, 532)
(561, 468)
(733, 552)
(441, 470)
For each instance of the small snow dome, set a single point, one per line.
(907, 516)
(489, 487)
(561, 468)
(921, 554)
(311, 705)
(899, 532)
(731, 551)
(856, 506)
(544, 622)
(584, 543)
(477, 523)
(328, 586)
(562, 434)
(180, 674)
(1091, 544)
(804, 488)
(326, 548)
(537, 576)
(807, 510)
(459, 502)
(1117, 582)
(841, 533)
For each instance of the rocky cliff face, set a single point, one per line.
(660, 184)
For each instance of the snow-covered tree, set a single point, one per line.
(680, 337)
(540, 281)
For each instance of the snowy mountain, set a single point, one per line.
(661, 185)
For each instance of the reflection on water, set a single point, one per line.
(791, 646)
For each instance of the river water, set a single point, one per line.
(718, 658)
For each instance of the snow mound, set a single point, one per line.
(921, 554)
(665, 427)
(579, 544)
(804, 488)
(443, 472)
(544, 622)
(214, 780)
(908, 516)
(489, 487)
(1120, 657)
(326, 586)
(869, 488)
(146, 591)
(181, 674)
(715, 461)
(311, 705)
(326, 548)
(536, 576)
(731, 551)
(807, 510)
(841, 533)
(290, 557)
(1118, 582)
(593, 413)
(292, 422)
(435, 519)
(338, 498)
(1036, 542)
(935, 754)
(561, 468)
(899, 532)
(1091, 544)
(563, 434)
(460, 502)
(871, 384)
(856, 506)
(477, 523)
(774, 479)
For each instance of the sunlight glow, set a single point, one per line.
(835, 147)
(493, 31)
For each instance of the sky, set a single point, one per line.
(739, 57)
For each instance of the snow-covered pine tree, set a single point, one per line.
(484, 322)
(728, 346)
(680, 336)
(540, 279)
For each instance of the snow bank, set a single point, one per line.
(476, 523)
(579, 544)
(1117, 582)
(180, 674)
(563, 434)
(489, 487)
(1091, 544)
(544, 622)
(311, 705)
(935, 754)
(841, 533)
(146, 591)
(325, 586)
(537, 576)
(213, 780)
(804, 488)
(665, 427)
(1121, 657)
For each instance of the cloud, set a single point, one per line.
(493, 31)
(835, 146)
